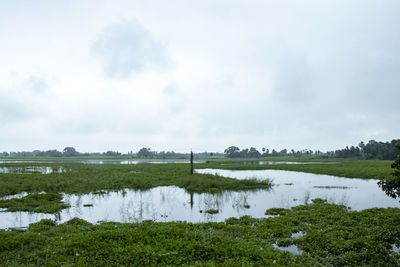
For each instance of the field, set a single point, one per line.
(317, 234)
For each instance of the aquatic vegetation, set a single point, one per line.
(212, 211)
(276, 211)
(351, 168)
(331, 236)
(86, 178)
(331, 187)
(45, 203)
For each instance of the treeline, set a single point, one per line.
(67, 152)
(148, 153)
(142, 153)
(371, 150)
(236, 152)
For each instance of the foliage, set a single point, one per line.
(391, 186)
(333, 236)
(145, 153)
(45, 203)
(235, 152)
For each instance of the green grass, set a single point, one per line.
(85, 178)
(212, 211)
(45, 203)
(351, 168)
(333, 236)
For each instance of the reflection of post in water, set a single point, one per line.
(58, 216)
(191, 200)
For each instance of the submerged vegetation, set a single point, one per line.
(45, 203)
(331, 235)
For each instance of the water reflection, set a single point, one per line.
(295, 188)
(106, 161)
(258, 162)
(32, 169)
(170, 203)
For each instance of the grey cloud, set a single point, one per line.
(36, 84)
(127, 48)
(13, 109)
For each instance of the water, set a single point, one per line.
(170, 203)
(279, 162)
(107, 161)
(32, 169)
(295, 188)
(293, 249)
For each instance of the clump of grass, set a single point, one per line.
(88, 205)
(45, 203)
(276, 211)
(212, 211)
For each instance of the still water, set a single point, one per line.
(32, 169)
(170, 203)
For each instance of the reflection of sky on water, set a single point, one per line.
(170, 203)
(32, 169)
(106, 161)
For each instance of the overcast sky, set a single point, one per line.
(175, 75)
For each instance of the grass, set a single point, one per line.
(44, 203)
(351, 168)
(334, 236)
(212, 211)
(85, 178)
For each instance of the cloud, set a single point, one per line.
(127, 48)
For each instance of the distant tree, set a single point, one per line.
(145, 153)
(112, 153)
(232, 152)
(391, 186)
(50, 153)
(69, 152)
(253, 153)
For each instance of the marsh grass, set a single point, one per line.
(43, 203)
(212, 211)
(100, 178)
(350, 168)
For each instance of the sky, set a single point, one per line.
(203, 75)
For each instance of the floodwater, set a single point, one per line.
(170, 203)
(106, 161)
(280, 162)
(32, 169)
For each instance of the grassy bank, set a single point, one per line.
(85, 178)
(351, 168)
(331, 236)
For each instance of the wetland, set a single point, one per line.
(225, 213)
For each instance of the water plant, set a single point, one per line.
(45, 203)
(332, 236)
